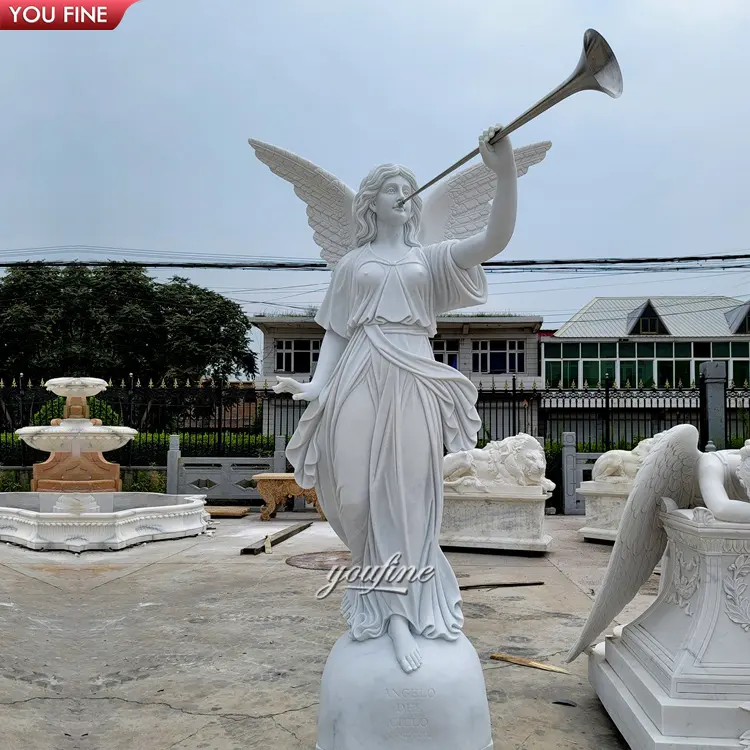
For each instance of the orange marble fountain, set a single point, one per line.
(75, 442)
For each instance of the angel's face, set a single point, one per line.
(386, 201)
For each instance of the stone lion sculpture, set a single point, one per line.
(618, 466)
(516, 461)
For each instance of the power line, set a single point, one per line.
(602, 264)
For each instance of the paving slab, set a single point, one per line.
(188, 645)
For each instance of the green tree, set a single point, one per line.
(111, 321)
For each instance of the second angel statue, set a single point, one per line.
(381, 408)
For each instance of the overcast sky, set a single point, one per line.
(137, 138)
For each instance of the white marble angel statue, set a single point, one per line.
(674, 475)
(381, 408)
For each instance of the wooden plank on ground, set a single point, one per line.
(280, 536)
(498, 580)
(227, 511)
(498, 585)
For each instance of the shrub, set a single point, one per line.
(145, 481)
(13, 481)
(150, 449)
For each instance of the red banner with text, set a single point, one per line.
(58, 15)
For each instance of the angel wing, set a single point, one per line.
(669, 470)
(459, 207)
(329, 201)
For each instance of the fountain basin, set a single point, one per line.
(76, 435)
(81, 521)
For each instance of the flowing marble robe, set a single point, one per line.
(372, 444)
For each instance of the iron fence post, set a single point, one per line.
(607, 415)
(514, 410)
(220, 421)
(20, 407)
(130, 418)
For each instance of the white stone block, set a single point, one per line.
(512, 519)
(604, 503)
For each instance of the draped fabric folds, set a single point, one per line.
(372, 444)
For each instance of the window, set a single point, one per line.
(590, 373)
(664, 350)
(645, 349)
(720, 349)
(665, 373)
(608, 368)
(553, 374)
(446, 351)
(741, 374)
(551, 350)
(595, 372)
(609, 350)
(627, 349)
(645, 373)
(570, 373)
(740, 349)
(498, 357)
(702, 350)
(682, 377)
(571, 351)
(683, 350)
(628, 373)
(648, 325)
(590, 351)
(296, 355)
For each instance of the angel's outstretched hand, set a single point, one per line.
(495, 156)
(300, 391)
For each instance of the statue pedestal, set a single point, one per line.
(679, 675)
(368, 702)
(509, 519)
(604, 504)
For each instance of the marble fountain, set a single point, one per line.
(76, 501)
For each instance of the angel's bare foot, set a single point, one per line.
(408, 654)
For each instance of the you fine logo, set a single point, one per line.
(388, 578)
(58, 15)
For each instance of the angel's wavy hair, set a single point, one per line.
(365, 219)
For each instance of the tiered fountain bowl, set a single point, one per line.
(76, 502)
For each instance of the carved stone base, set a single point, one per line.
(63, 472)
(604, 503)
(441, 706)
(49, 521)
(513, 521)
(679, 675)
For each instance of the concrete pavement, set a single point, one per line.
(187, 645)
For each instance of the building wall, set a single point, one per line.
(305, 330)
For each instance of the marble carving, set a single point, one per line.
(679, 675)
(495, 496)
(612, 478)
(620, 467)
(380, 410)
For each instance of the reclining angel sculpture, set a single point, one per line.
(380, 406)
(674, 475)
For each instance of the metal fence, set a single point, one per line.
(218, 419)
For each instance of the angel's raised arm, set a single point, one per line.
(502, 220)
(477, 205)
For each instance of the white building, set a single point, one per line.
(649, 341)
(485, 347)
